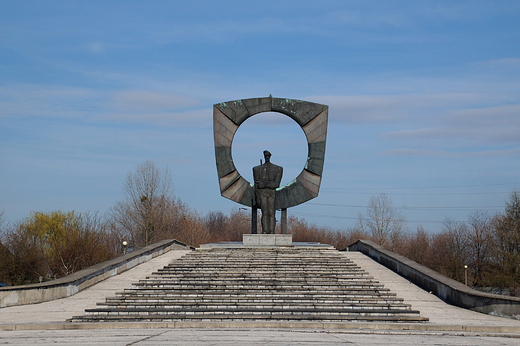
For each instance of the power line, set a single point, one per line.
(357, 218)
(327, 216)
(412, 208)
(420, 194)
(429, 187)
(405, 208)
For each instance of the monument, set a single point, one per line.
(267, 177)
(312, 118)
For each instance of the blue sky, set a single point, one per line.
(424, 101)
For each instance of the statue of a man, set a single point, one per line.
(267, 178)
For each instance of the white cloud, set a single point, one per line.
(159, 108)
(481, 126)
(378, 109)
(371, 20)
(229, 29)
(95, 47)
(47, 101)
(192, 118)
(511, 62)
(150, 101)
(499, 116)
(452, 154)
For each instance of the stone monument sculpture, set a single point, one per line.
(312, 118)
(267, 178)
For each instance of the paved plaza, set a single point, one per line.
(45, 323)
(225, 337)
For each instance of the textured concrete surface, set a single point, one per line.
(267, 239)
(143, 337)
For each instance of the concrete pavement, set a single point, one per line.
(226, 337)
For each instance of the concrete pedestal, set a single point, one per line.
(267, 239)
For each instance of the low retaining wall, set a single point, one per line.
(78, 281)
(445, 288)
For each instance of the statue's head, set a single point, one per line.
(267, 155)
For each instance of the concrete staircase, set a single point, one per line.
(299, 283)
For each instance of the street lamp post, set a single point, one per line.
(124, 247)
(466, 274)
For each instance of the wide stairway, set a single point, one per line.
(300, 283)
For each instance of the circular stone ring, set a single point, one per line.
(312, 118)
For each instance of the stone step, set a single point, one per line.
(252, 271)
(246, 282)
(290, 270)
(266, 250)
(369, 308)
(256, 301)
(259, 259)
(243, 253)
(293, 267)
(260, 291)
(323, 255)
(255, 277)
(249, 310)
(251, 274)
(259, 256)
(216, 299)
(255, 298)
(244, 317)
(266, 263)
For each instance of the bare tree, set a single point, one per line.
(149, 207)
(418, 246)
(193, 231)
(382, 221)
(449, 249)
(239, 223)
(506, 252)
(217, 224)
(480, 244)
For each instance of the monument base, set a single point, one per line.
(267, 239)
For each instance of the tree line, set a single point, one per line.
(484, 250)
(45, 246)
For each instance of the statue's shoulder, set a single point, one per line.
(276, 166)
(256, 168)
